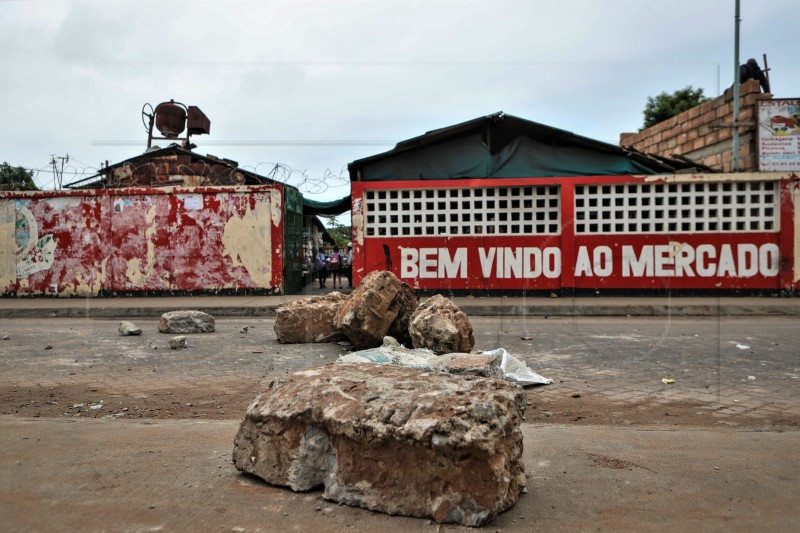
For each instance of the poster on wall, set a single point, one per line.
(779, 135)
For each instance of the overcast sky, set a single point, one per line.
(317, 84)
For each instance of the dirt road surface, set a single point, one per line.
(110, 433)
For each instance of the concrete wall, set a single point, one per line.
(703, 133)
(710, 231)
(91, 242)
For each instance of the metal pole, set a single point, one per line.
(735, 162)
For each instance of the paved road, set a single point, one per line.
(738, 371)
(176, 475)
(524, 305)
(110, 433)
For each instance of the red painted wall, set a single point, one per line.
(719, 259)
(142, 239)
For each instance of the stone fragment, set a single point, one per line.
(468, 364)
(126, 328)
(390, 439)
(406, 303)
(186, 322)
(366, 317)
(178, 343)
(439, 325)
(309, 319)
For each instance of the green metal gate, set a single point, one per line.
(293, 242)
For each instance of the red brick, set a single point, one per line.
(750, 86)
(670, 123)
(748, 163)
(709, 117)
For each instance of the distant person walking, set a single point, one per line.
(336, 266)
(320, 263)
(751, 71)
(349, 264)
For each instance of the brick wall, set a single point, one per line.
(703, 133)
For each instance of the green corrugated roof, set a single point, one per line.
(334, 207)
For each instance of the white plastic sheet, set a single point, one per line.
(516, 370)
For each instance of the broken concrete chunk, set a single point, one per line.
(390, 439)
(178, 343)
(439, 325)
(406, 303)
(468, 364)
(366, 317)
(186, 322)
(391, 352)
(309, 319)
(126, 328)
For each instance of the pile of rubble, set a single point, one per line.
(381, 305)
(390, 439)
(425, 428)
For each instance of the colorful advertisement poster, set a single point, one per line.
(779, 135)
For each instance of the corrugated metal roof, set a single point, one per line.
(499, 130)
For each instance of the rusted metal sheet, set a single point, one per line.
(174, 170)
(85, 243)
(705, 231)
(197, 121)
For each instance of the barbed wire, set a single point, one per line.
(45, 178)
(159, 174)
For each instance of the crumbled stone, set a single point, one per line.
(309, 319)
(186, 322)
(390, 439)
(126, 328)
(439, 325)
(178, 343)
(366, 317)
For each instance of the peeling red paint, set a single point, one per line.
(140, 239)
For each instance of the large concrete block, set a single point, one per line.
(186, 322)
(390, 439)
(439, 325)
(309, 319)
(373, 307)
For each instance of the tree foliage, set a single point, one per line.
(341, 233)
(664, 106)
(16, 178)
